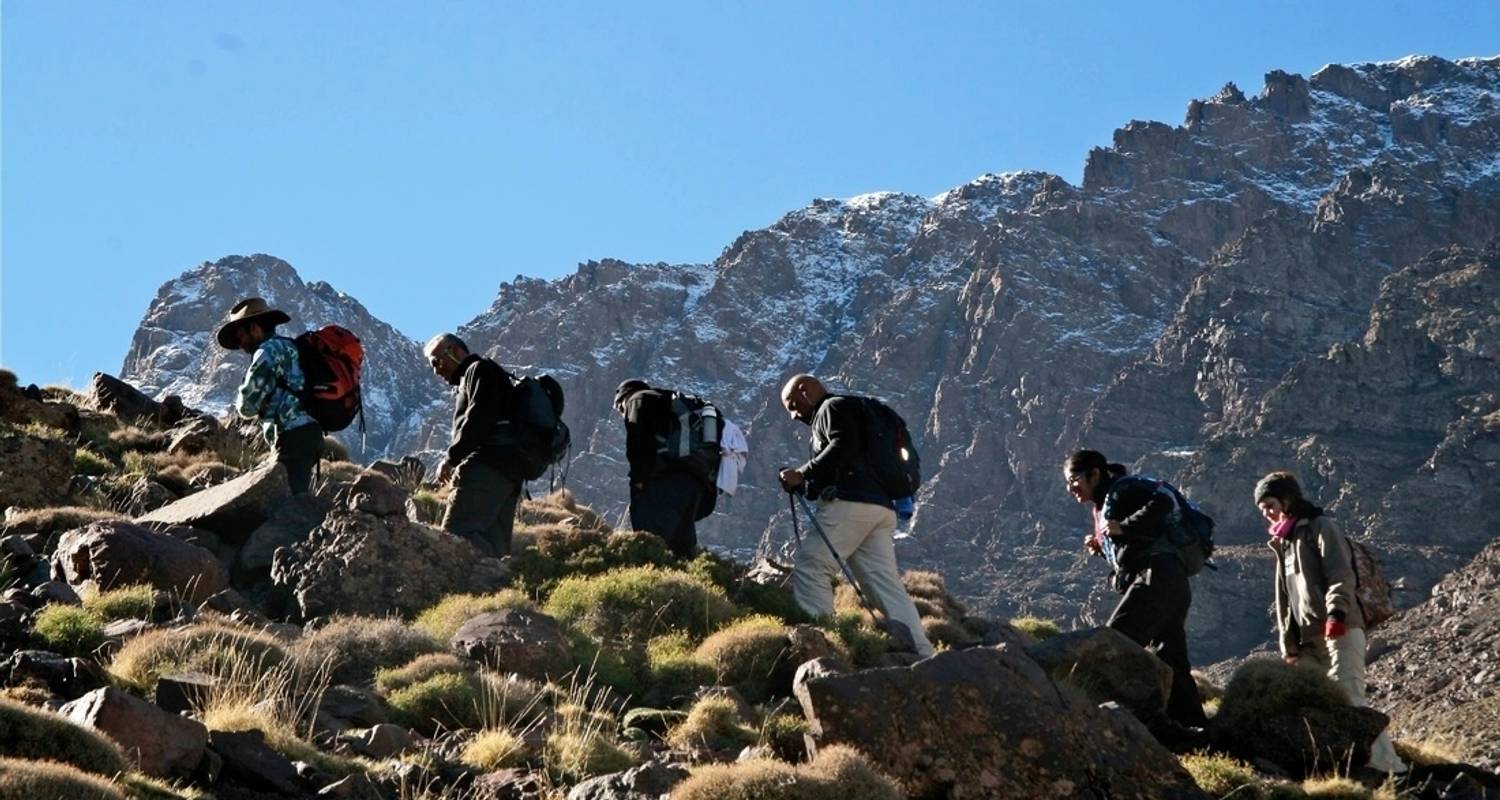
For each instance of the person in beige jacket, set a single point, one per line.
(1318, 615)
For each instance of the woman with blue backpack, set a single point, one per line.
(1131, 518)
(1318, 616)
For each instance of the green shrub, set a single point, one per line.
(748, 654)
(838, 772)
(49, 780)
(87, 462)
(561, 550)
(28, 732)
(1036, 627)
(1221, 776)
(783, 733)
(443, 701)
(856, 631)
(674, 669)
(354, 647)
(211, 647)
(618, 666)
(1262, 688)
(573, 757)
(419, 669)
(770, 599)
(132, 437)
(1337, 789)
(946, 633)
(444, 619)
(713, 724)
(127, 602)
(636, 603)
(70, 630)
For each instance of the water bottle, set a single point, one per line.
(905, 507)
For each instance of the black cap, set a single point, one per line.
(628, 388)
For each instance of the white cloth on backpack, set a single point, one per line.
(734, 450)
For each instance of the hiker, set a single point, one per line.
(668, 495)
(268, 392)
(1318, 616)
(854, 511)
(480, 464)
(1131, 515)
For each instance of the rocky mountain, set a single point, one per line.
(174, 352)
(1246, 291)
(1435, 669)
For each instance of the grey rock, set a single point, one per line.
(248, 760)
(233, 509)
(183, 691)
(113, 553)
(384, 741)
(527, 643)
(648, 781)
(357, 563)
(34, 472)
(988, 722)
(55, 592)
(157, 742)
(63, 676)
(290, 523)
(1107, 666)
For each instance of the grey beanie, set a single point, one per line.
(1279, 485)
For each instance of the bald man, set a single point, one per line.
(480, 461)
(853, 509)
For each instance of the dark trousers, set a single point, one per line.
(482, 507)
(668, 507)
(1153, 613)
(299, 450)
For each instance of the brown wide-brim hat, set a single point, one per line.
(251, 309)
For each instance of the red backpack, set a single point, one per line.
(330, 358)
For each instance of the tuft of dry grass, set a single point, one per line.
(70, 630)
(443, 701)
(582, 741)
(1036, 627)
(419, 669)
(137, 601)
(495, 748)
(1430, 752)
(713, 724)
(1224, 777)
(839, 772)
(87, 462)
(357, 646)
(747, 654)
(22, 779)
(210, 647)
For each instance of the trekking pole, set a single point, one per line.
(848, 573)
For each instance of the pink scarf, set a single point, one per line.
(1280, 530)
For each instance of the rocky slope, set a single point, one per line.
(1172, 310)
(1436, 671)
(174, 352)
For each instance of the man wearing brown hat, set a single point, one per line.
(269, 391)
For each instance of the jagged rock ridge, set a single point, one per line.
(1155, 312)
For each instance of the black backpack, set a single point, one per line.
(692, 442)
(889, 450)
(540, 436)
(1191, 533)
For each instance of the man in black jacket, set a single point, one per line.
(482, 507)
(664, 498)
(852, 509)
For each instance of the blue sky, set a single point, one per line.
(415, 155)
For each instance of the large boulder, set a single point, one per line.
(250, 762)
(233, 509)
(358, 563)
(108, 393)
(157, 742)
(34, 471)
(1293, 717)
(647, 782)
(21, 406)
(1107, 666)
(527, 643)
(989, 723)
(114, 553)
(290, 523)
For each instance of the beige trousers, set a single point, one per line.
(862, 535)
(1344, 660)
